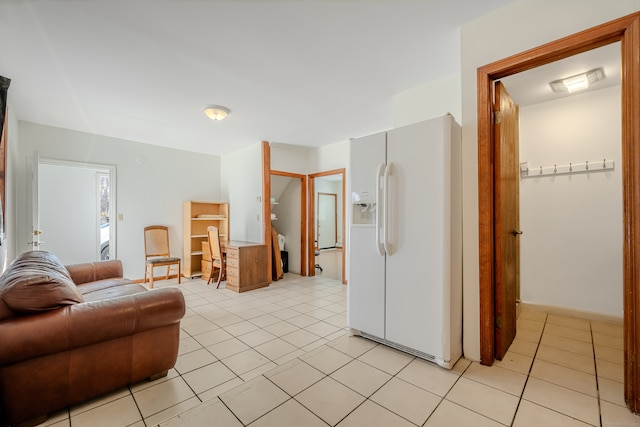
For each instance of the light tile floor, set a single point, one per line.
(331, 262)
(280, 356)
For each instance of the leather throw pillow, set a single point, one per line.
(37, 281)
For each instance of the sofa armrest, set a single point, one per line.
(93, 271)
(84, 324)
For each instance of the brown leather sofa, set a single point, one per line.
(71, 334)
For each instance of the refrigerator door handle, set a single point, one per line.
(385, 202)
(379, 244)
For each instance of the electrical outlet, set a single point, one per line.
(258, 217)
(120, 217)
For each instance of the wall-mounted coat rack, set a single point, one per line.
(588, 166)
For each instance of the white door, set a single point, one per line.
(326, 232)
(366, 290)
(418, 223)
(34, 242)
(67, 208)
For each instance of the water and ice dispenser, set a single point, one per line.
(364, 208)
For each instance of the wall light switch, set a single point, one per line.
(120, 217)
(258, 217)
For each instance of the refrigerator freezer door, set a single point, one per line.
(418, 257)
(366, 290)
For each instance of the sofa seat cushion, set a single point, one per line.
(98, 285)
(121, 289)
(37, 281)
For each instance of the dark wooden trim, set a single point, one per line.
(303, 214)
(311, 245)
(631, 200)
(627, 31)
(266, 202)
(486, 221)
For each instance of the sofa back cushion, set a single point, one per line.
(37, 281)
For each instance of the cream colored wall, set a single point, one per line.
(153, 182)
(510, 30)
(433, 99)
(571, 249)
(241, 185)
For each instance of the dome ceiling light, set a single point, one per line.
(216, 112)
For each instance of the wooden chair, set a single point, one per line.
(217, 258)
(156, 252)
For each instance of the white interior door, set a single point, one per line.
(68, 210)
(326, 224)
(35, 212)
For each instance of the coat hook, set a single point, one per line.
(586, 167)
(555, 168)
(570, 167)
(540, 169)
(604, 163)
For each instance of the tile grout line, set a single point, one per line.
(595, 367)
(526, 381)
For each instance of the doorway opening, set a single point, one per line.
(625, 30)
(75, 199)
(327, 224)
(288, 200)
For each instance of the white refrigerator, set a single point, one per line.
(405, 224)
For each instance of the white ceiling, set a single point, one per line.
(298, 72)
(532, 86)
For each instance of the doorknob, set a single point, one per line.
(516, 232)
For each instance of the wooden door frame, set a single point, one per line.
(303, 214)
(312, 220)
(266, 205)
(625, 30)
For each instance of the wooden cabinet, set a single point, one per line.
(246, 266)
(197, 217)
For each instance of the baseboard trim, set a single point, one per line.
(564, 311)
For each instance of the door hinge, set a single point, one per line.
(497, 117)
(498, 321)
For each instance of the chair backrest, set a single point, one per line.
(156, 241)
(213, 236)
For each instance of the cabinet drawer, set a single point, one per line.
(232, 253)
(233, 262)
(233, 272)
(232, 281)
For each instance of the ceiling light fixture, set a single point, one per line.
(216, 112)
(578, 82)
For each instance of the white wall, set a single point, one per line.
(571, 249)
(330, 157)
(153, 182)
(290, 158)
(289, 214)
(520, 26)
(241, 183)
(433, 99)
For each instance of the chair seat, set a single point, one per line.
(162, 260)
